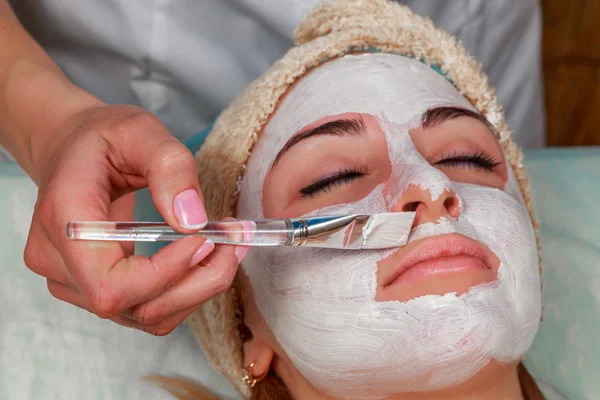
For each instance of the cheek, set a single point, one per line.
(253, 319)
(502, 222)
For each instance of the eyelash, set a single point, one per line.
(342, 177)
(480, 161)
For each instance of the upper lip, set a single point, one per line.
(435, 247)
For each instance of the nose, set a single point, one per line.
(418, 200)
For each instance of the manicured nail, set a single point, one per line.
(249, 228)
(240, 252)
(203, 251)
(189, 210)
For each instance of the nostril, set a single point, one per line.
(449, 203)
(411, 207)
(451, 206)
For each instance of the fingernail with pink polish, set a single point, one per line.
(249, 228)
(202, 252)
(240, 252)
(189, 210)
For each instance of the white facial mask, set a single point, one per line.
(321, 304)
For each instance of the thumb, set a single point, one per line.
(170, 171)
(174, 187)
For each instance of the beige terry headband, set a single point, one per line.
(334, 29)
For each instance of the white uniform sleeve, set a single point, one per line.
(505, 36)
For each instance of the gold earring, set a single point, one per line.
(249, 378)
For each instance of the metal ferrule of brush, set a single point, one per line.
(342, 232)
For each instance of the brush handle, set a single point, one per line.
(262, 232)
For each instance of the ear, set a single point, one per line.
(258, 353)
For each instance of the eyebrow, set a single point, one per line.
(338, 127)
(438, 115)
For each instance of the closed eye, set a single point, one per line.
(480, 160)
(340, 178)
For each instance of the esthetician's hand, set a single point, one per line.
(87, 170)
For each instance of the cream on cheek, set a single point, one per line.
(321, 304)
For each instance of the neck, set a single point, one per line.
(494, 382)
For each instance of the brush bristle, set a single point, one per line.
(387, 230)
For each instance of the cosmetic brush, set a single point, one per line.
(351, 232)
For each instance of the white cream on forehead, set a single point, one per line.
(321, 303)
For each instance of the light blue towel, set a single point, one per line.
(567, 189)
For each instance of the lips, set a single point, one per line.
(436, 255)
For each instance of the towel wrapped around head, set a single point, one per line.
(335, 28)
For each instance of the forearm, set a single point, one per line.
(36, 98)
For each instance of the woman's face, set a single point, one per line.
(345, 157)
(379, 133)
